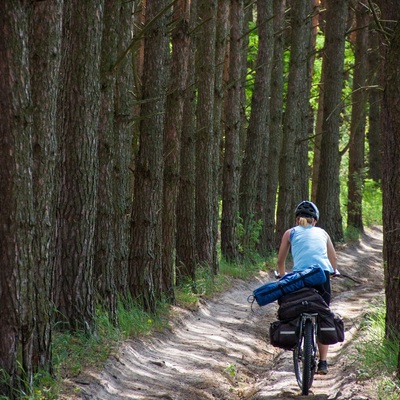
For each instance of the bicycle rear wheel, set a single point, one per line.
(304, 359)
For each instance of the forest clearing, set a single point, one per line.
(222, 351)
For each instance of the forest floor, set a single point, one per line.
(221, 350)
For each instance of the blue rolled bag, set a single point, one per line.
(271, 291)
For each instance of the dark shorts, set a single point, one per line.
(325, 289)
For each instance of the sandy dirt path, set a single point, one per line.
(222, 350)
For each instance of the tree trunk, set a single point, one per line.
(256, 132)
(328, 191)
(45, 57)
(268, 237)
(185, 213)
(79, 107)
(304, 61)
(146, 254)
(248, 17)
(391, 185)
(390, 52)
(374, 111)
(220, 87)
(172, 138)
(231, 164)
(139, 21)
(318, 140)
(123, 131)
(262, 207)
(292, 170)
(103, 271)
(319, 117)
(16, 199)
(205, 133)
(358, 120)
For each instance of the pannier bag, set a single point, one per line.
(269, 292)
(330, 329)
(303, 300)
(284, 334)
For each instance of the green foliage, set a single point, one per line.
(253, 44)
(372, 203)
(207, 284)
(75, 351)
(44, 387)
(251, 62)
(246, 268)
(231, 370)
(316, 76)
(248, 238)
(134, 321)
(351, 234)
(186, 294)
(378, 355)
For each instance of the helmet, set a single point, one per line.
(307, 209)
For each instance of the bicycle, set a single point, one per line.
(306, 350)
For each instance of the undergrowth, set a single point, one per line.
(208, 284)
(378, 356)
(74, 352)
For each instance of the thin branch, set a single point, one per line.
(377, 20)
(140, 34)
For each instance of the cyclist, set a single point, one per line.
(310, 245)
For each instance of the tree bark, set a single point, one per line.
(262, 206)
(248, 17)
(172, 139)
(358, 120)
(268, 237)
(105, 251)
(256, 132)
(79, 107)
(328, 178)
(16, 199)
(45, 57)
(146, 224)
(231, 163)
(391, 187)
(390, 52)
(185, 239)
(123, 131)
(221, 50)
(293, 172)
(205, 133)
(374, 110)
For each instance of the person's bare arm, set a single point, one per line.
(283, 252)
(332, 254)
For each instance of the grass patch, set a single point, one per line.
(377, 356)
(207, 284)
(73, 352)
(45, 386)
(351, 234)
(372, 203)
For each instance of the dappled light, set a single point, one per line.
(222, 350)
